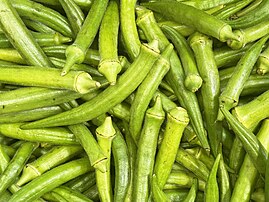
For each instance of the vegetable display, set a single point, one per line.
(134, 101)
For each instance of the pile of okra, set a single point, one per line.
(134, 100)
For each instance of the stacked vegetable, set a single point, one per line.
(134, 100)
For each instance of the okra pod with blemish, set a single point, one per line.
(112, 95)
(145, 153)
(146, 90)
(75, 53)
(60, 136)
(20, 36)
(108, 41)
(177, 121)
(105, 134)
(193, 80)
(78, 81)
(51, 179)
(175, 76)
(188, 15)
(53, 158)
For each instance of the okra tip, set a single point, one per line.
(226, 33)
(28, 173)
(193, 82)
(60, 39)
(110, 69)
(239, 43)
(84, 83)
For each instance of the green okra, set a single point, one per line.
(37, 26)
(193, 80)
(182, 29)
(230, 96)
(111, 96)
(74, 15)
(193, 17)
(177, 121)
(157, 193)
(207, 5)
(191, 197)
(105, 134)
(53, 158)
(83, 182)
(4, 159)
(146, 151)
(263, 62)
(78, 81)
(266, 181)
(109, 64)
(121, 111)
(251, 144)
(146, 90)
(92, 193)
(60, 136)
(13, 169)
(70, 195)
(51, 179)
(75, 53)
(175, 76)
(212, 189)
(20, 36)
(210, 89)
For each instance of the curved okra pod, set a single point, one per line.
(70, 195)
(157, 193)
(191, 197)
(177, 121)
(37, 26)
(193, 17)
(248, 174)
(38, 12)
(111, 96)
(74, 15)
(175, 76)
(263, 62)
(53, 158)
(210, 89)
(193, 80)
(193, 164)
(181, 29)
(78, 81)
(75, 53)
(253, 112)
(128, 28)
(13, 169)
(108, 40)
(60, 136)
(230, 96)
(251, 144)
(212, 189)
(253, 17)
(34, 97)
(146, 151)
(145, 92)
(122, 166)
(249, 34)
(51, 179)
(105, 134)
(20, 36)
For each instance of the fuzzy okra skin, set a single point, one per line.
(20, 36)
(111, 96)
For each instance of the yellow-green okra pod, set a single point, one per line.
(146, 151)
(263, 62)
(108, 40)
(177, 120)
(105, 134)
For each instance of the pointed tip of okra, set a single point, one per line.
(193, 82)
(74, 55)
(84, 83)
(29, 173)
(60, 39)
(106, 130)
(110, 69)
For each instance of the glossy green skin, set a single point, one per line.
(122, 166)
(74, 15)
(175, 76)
(15, 29)
(60, 136)
(43, 14)
(37, 26)
(13, 169)
(128, 28)
(70, 195)
(210, 89)
(51, 179)
(260, 13)
(251, 144)
(224, 182)
(211, 189)
(146, 151)
(108, 98)
(83, 182)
